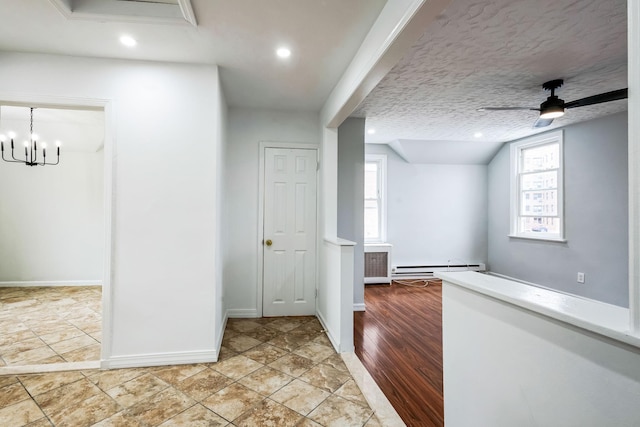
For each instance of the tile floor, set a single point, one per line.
(41, 325)
(272, 372)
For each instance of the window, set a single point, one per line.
(374, 192)
(536, 188)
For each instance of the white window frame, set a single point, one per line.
(516, 150)
(381, 159)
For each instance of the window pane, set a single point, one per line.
(541, 157)
(544, 203)
(539, 225)
(371, 180)
(539, 181)
(371, 218)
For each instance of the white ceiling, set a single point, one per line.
(238, 35)
(498, 53)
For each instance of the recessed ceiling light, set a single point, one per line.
(283, 52)
(128, 41)
(478, 134)
(371, 131)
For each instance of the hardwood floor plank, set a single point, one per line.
(399, 341)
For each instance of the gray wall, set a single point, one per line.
(351, 196)
(436, 213)
(596, 217)
(246, 127)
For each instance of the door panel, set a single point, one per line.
(289, 263)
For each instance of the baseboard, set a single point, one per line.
(160, 359)
(334, 342)
(25, 284)
(220, 331)
(242, 313)
(359, 307)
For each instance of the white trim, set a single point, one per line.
(187, 12)
(516, 148)
(385, 412)
(359, 306)
(242, 313)
(49, 367)
(160, 359)
(278, 144)
(330, 334)
(26, 284)
(633, 60)
(107, 105)
(534, 237)
(92, 14)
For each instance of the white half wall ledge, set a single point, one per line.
(508, 362)
(25, 284)
(607, 320)
(160, 359)
(359, 307)
(337, 241)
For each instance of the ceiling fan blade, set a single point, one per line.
(540, 123)
(506, 108)
(597, 99)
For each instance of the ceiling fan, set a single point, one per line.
(554, 107)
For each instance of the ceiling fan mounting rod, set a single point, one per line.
(552, 85)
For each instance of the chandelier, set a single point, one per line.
(30, 148)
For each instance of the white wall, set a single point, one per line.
(51, 219)
(506, 366)
(246, 129)
(222, 231)
(435, 213)
(596, 217)
(161, 119)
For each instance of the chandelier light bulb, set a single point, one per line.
(58, 143)
(26, 143)
(2, 138)
(43, 145)
(11, 135)
(34, 137)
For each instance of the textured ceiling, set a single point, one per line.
(498, 53)
(240, 36)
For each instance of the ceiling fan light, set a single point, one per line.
(552, 112)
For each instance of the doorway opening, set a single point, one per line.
(55, 237)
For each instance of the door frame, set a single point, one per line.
(260, 273)
(107, 107)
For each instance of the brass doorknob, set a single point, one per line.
(268, 242)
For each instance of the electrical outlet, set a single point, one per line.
(580, 277)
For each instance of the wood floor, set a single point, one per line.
(399, 341)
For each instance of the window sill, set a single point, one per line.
(541, 238)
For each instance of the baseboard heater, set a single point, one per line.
(419, 271)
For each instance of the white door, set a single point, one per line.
(289, 263)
